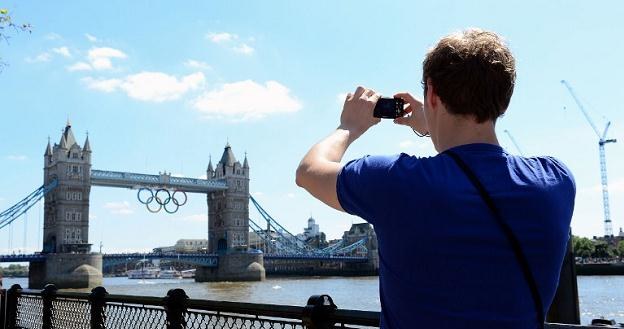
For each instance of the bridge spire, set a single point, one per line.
(228, 159)
(245, 163)
(87, 145)
(48, 151)
(210, 170)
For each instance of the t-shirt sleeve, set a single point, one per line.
(364, 187)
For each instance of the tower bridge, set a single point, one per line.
(66, 258)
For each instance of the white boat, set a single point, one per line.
(188, 274)
(170, 273)
(144, 271)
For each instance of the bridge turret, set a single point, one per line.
(210, 171)
(228, 211)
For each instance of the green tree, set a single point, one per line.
(602, 250)
(7, 26)
(583, 247)
(620, 249)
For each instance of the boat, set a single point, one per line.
(170, 273)
(188, 274)
(144, 270)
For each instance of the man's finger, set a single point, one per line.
(405, 96)
(349, 96)
(403, 120)
(359, 91)
(369, 92)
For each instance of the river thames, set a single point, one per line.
(599, 295)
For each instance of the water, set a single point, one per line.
(599, 295)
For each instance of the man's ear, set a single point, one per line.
(432, 97)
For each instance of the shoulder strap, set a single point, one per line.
(515, 244)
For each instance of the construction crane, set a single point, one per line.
(602, 140)
(514, 142)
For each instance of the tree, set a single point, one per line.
(602, 250)
(620, 249)
(583, 247)
(7, 26)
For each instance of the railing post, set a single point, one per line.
(10, 320)
(565, 305)
(98, 302)
(318, 311)
(175, 306)
(48, 294)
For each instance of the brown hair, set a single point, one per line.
(473, 72)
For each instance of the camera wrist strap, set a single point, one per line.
(515, 244)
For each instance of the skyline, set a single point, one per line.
(160, 94)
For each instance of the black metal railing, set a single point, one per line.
(48, 309)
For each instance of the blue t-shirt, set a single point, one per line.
(443, 260)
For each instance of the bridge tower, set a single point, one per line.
(66, 218)
(228, 211)
(228, 224)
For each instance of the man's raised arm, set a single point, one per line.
(319, 168)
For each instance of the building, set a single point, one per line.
(312, 235)
(259, 241)
(358, 232)
(185, 246)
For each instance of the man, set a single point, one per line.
(445, 260)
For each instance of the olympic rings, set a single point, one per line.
(164, 199)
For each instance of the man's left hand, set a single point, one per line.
(357, 112)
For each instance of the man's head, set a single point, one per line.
(472, 72)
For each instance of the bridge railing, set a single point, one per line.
(48, 309)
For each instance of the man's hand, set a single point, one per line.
(357, 112)
(415, 117)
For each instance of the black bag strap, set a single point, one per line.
(515, 244)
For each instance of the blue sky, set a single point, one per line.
(162, 85)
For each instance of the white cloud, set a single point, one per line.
(90, 37)
(63, 51)
(197, 65)
(104, 85)
(149, 86)
(43, 57)
(17, 157)
(92, 216)
(246, 99)
(258, 194)
(290, 195)
(159, 87)
(406, 144)
(79, 66)
(221, 37)
(53, 36)
(244, 49)
(119, 208)
(100, 58)
(204, 176)
(229, 40)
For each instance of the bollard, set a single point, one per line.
(11, 306)
(565, 305)
(98, 302)
(317, 313)
(175, 306)
(48, 294)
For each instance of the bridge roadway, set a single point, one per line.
(208, 260)
(134, 181)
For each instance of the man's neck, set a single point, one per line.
(461, 130)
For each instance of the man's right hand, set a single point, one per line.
(415, 114)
